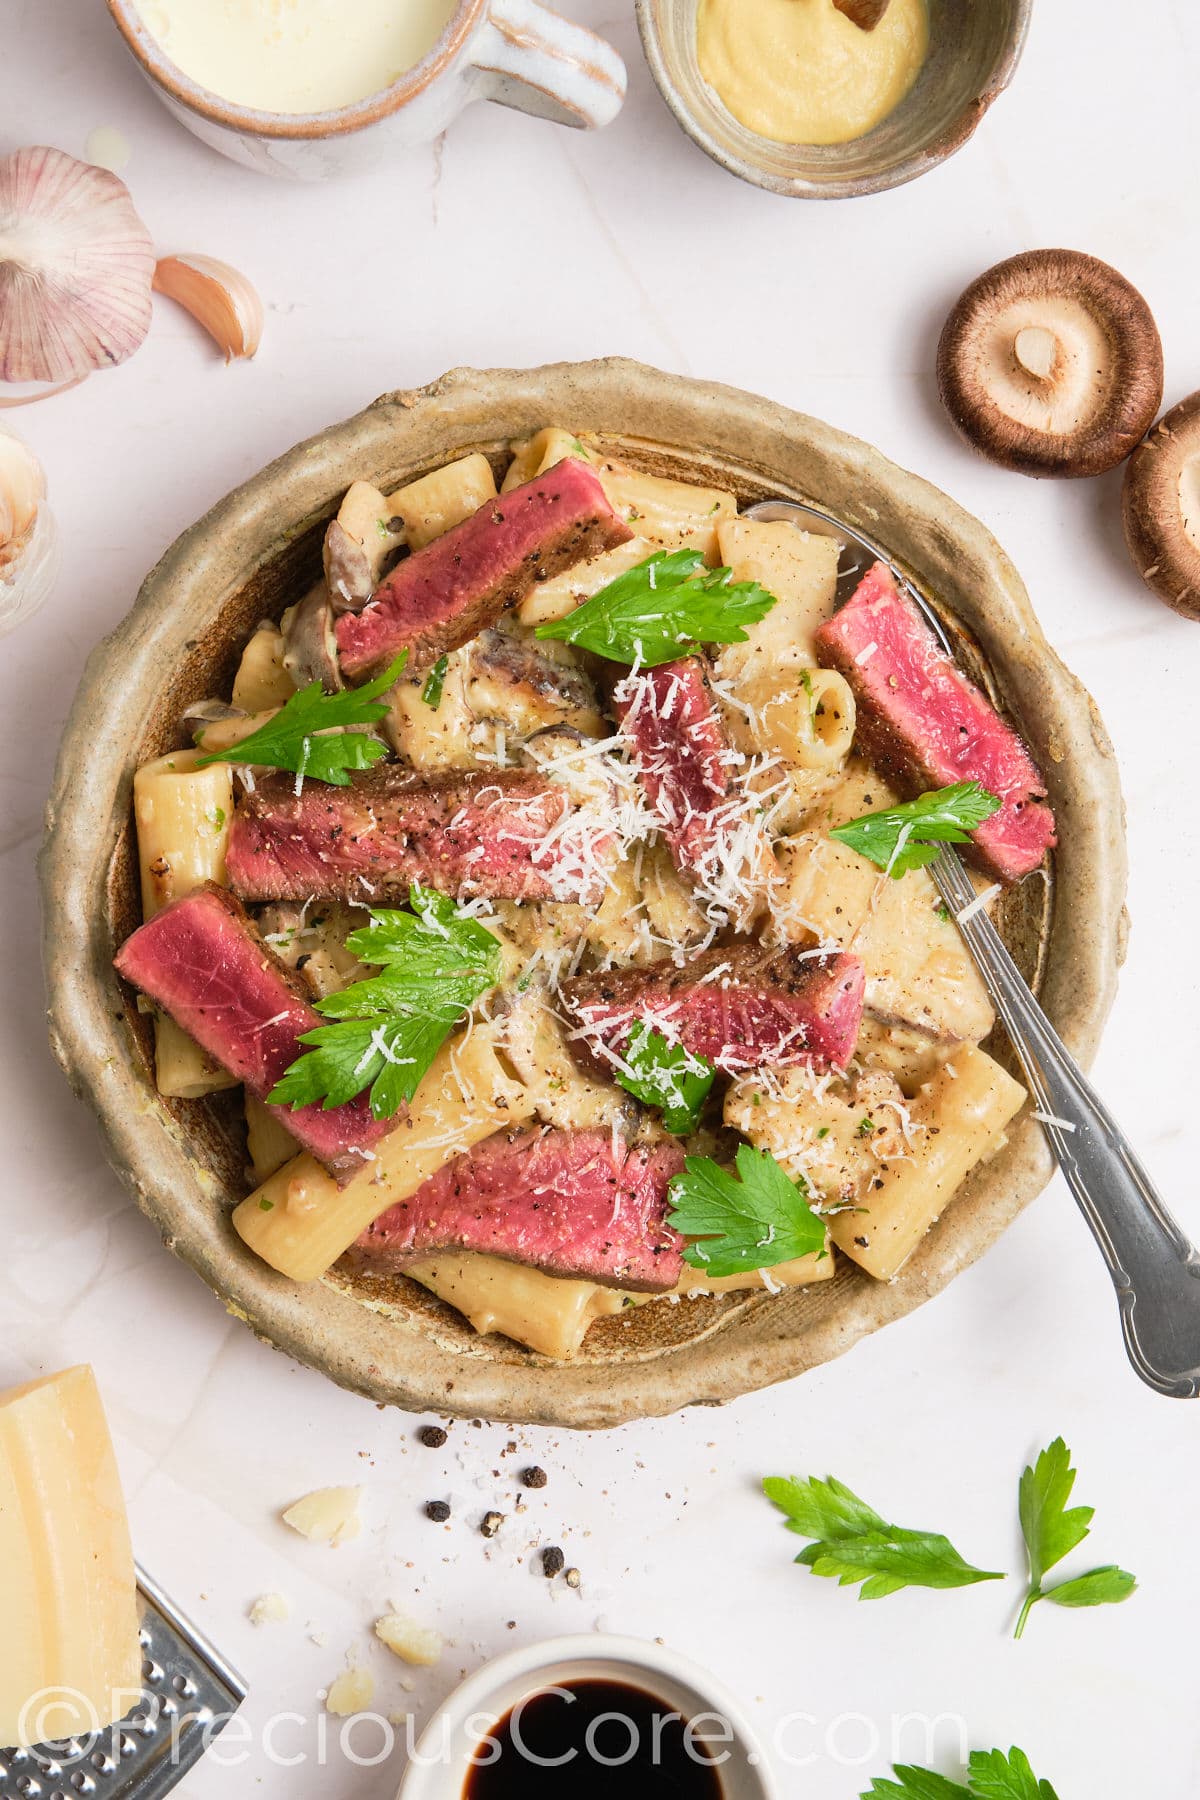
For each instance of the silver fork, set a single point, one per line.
(1154, 1267)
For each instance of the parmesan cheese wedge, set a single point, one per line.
(326, 1516)
(70, 1661)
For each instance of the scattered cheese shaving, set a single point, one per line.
(1045, 1118)
(411, 1642)
(326, 1516)
(979, 902)
(269, 1609)
(352, 1692)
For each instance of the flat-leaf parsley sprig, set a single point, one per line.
(852, 1542)
(294, 739)
(434, 963)
(753, 1221)
(653, 612)
(907, 837)
(1052, 1530)
(664, 1074)
(991, 1775)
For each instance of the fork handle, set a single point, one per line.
(1154, 1267)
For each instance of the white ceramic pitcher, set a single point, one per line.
(518, 52)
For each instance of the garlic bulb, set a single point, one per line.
(29, 550)
(218, 297)
(76, 264)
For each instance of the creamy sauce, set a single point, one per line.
(801, 72)
(296, 56)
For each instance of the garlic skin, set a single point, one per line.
(76, 264)
(29, 546)
(218, 297)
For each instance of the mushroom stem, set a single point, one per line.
(1036, 350)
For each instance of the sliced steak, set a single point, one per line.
(513, 835)
(689, 773)
(926, 726)
(202, 960)
(448, 592)
(741, 1007)
(574, 1203)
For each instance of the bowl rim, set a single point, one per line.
(953, 135)
(752, 1343)
(534, 1666)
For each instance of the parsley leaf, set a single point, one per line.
(291, 739)
(434, 964)
(853, 1543)
(906, 837)
(435, 681)
(666, 1075)
(915, 1784)
(653, 612)
(752, 1222)
(1052, 1530)
(992, 1776)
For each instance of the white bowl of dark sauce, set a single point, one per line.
(585, 1716)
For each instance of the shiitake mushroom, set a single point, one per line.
(1050, 363)
(1160, 506)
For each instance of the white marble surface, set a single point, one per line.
(514, 243)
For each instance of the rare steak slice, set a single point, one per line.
(689, 773)
(202, 960)
(926, 726)
(574, 1203)
(455, 587)
(740, 1007)
(513, 834)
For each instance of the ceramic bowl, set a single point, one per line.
(250, 557)
(442, 1759)
(975, 46)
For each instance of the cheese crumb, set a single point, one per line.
(327, 1516)
(352, 1692)
(269, 1609)
(411, 1642)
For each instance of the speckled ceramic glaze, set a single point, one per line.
(974, 48)
(252, 555)
(517, 52)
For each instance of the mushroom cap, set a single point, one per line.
(1160, 506)
(1050, 363)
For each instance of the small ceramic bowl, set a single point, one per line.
(975, 46)
(442, 1762)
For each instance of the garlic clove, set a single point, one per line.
(22, 489)
(218, 297)
(76, 264)
(29, 545)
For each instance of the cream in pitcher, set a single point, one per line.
(296, 56)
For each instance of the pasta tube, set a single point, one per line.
(544, 1312)
(800, 569)
(430, 505)
(670, 514)
(262, 682)
(182, 815)
(964, 1109)
(300, 1221)
(269, 1144)
(533, 456)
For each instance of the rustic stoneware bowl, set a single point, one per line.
(249, 557)
(975, 46)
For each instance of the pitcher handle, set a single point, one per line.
(531, 58)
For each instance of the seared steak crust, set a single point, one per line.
(476, 832)
(574, 1203)
(202, 960)
(740, 1007)
(455, 587)
(926, 726)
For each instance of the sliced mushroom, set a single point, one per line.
(530, 686)
(348, 576)
(208, 712)
(866, 14)
(1161, 508)
(310, 647)
(1050, 363)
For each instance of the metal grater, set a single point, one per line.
(189, 1692)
